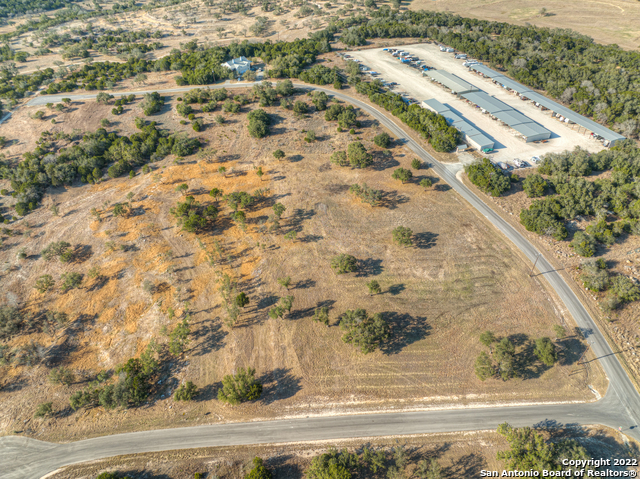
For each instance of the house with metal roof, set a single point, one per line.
(598, 131)
(471, 135)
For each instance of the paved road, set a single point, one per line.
(621, 406)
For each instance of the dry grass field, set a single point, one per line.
(459, 279)
(458, 454)
(611, 21)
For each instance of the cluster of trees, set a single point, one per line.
(356, 156)
(152, 103)
(488, 177)
(530, 451)
(569, 194)
(85, 160)
(347, 117)
(595, 80)
(430, 125)
(364, 331)
(396, 463)
(129, 387)
(10, 8)
(192, 216)
(620, 289)
(501, 362)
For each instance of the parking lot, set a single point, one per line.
(508, 145)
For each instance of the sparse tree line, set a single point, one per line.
(86, 158)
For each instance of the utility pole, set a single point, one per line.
(534, 264)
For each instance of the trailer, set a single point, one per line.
(461, 56)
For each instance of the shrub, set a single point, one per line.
(152, 103)
(321, 315)
(402, 236)
(61, 375)
(278, 154)
(70, 280)
(364, 331)
(383, 140)
(624, 289)
(374, 287)
(44, 283)
(44, 410)
(416, 164)
(300, 107)
(240, 387)
(258, 471)
(425, 183)
(595, 275)
(56, 248)
(344, 263)
(366, 194)
(258, 123)
(186, 392)
(11, 320)
(583, 244)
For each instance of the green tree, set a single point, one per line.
(358, 155)
(583, 244)
(488, 338)
(240, 387)
(546, 351)
(179, 337)
(624, 289)
(344, 263)
(534, 185)
(374, 287)
(216, 193)
(258, 471)
(402, 235)
(300, 107)
(278, 154)
(364, 331)
(285, 282)
(416, 164)
(278, 209)
(484, 367)
(186, 392)
(242, 300)
(56, 248)
(182, 189)
(425, 183)
(383, 140)
(402, 174)
(505, 358)
(321, 315)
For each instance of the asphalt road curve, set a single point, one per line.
(23, 458)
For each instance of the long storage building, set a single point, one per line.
(472, 135)
(567, 115)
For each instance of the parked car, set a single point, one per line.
(535, 159)
(517, 162)
(502, 165)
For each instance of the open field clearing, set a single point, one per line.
(507, 144)
(459, 279)
(612, 21)
(457, 454)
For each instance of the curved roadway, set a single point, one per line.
(26, 458)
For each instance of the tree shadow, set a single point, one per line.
(143, 474)
(295, 158)
(442, 187)
(369, 267)
(396, 289)
(424, 240)
(279, 384)
(82, 253)
(305, 284)
(281, 466)
(469, 465)
(391, 199)
(208, 392)
(209, 336)
(311, 238)
(383, 162)
(405, 330)
(337, 189)
(266, 302)
(571, 350)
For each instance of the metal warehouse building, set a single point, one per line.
(562, 112)
(471, 135)
(456, 84)
(529, 129)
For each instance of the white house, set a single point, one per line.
(239, 65)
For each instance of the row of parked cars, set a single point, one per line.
(408, 58)
(518, 163)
